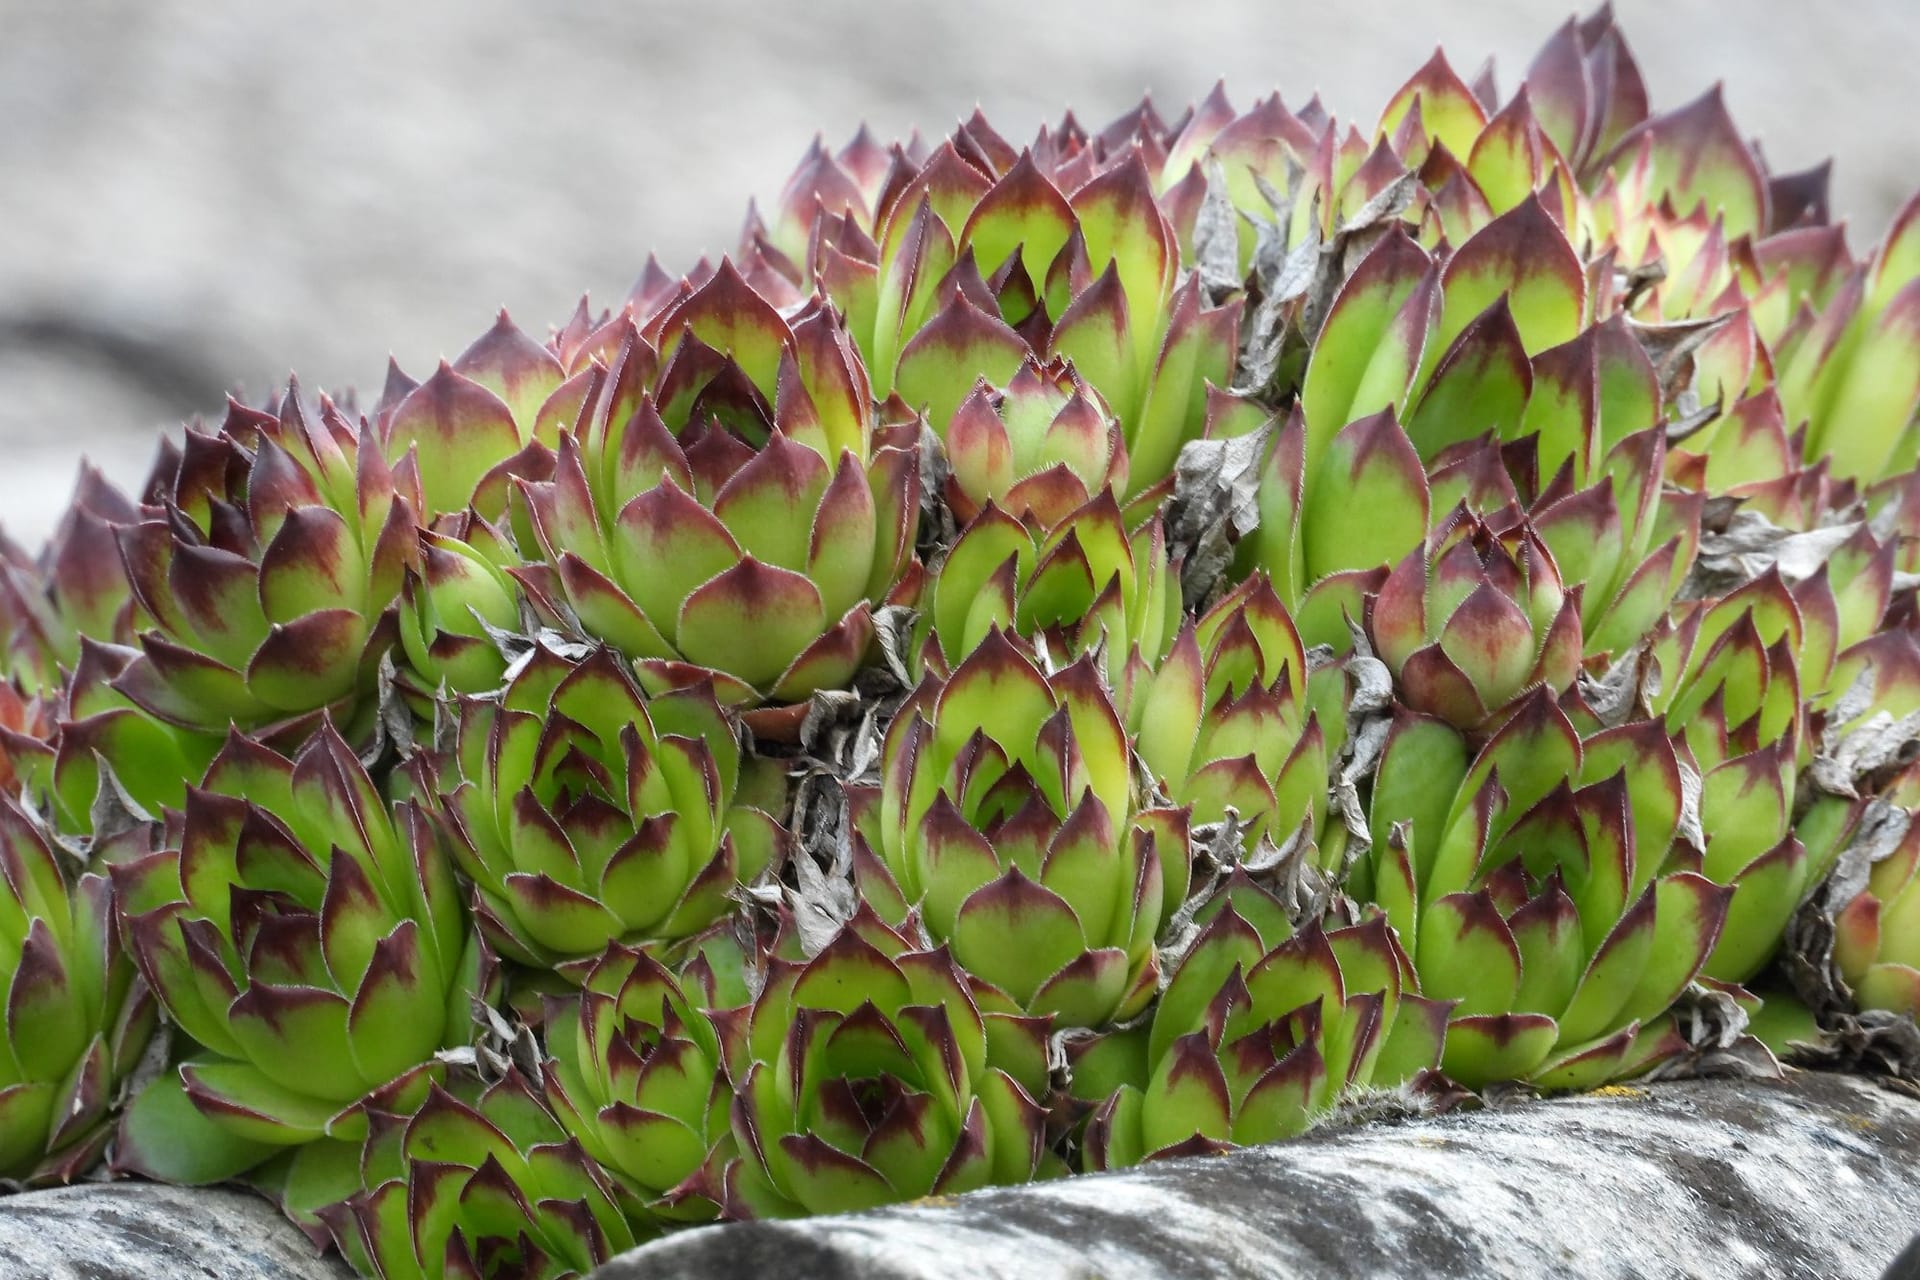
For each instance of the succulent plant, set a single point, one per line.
(1039, 449)
(1007, 808)
(89, 745)
(267, 565)
(77, 1014)
(1541, 898)
(1474, 619)
(861, 1077)
(26, 723)
(968, 258)
(637, 1075)
(455, 601)
(1876, 936)
(1083, 584)
(74, 588)
(1292, 611)
(751, 547)
(482, 420)
(1227, 720)
(307, 936)
(585, 813)
(1327, 535)
(1260, 1031)
(475, 1187)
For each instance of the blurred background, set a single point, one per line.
(201, 193)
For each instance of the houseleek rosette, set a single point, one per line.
(1474, 619)
(89, 742)
(77, 1013)
(1532, 882)
(861, 1078)
(636, 1073)
(454, 602)
(706, 535)
(974, 254)
(75, 587)
(267, 566)
(1261, 1030)
(308, 936)
(1006, 817)
(1039, 449)
(1085, 583)
(1227, 720)
(477, 1184)
(1877, 935)
(586, 813)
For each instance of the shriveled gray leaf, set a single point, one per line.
(1715, 1026)
(114, 811)
(1389, 203)
(1671, 346)
(1620, 695)
(1852, 1039)
(1215, 503)
(1216, 236)
(1749, 545)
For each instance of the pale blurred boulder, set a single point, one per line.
(236, 190)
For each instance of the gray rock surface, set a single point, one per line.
(138, 1231)
(199, 192)
(1816, 1178)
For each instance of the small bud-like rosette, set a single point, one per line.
(267, 565)
(1735, 682)
(1543, 900)
(1007, 818)
(636, 1073)
(1623, 541)
(1877, 935)
(1227, 721)
(74, 587)
(1474, 619)
(737, 516)
(1260, 1032)
(585, 813)
(89, 744)
(308, 936)
(476, 1184)
(1039, 449)
(862, 1078)
(77, 1014)
(1084, 584)
(454, 603)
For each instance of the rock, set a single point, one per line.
(1817, 1176)
(1907, 1265)
(140, 1231)
(209, 191)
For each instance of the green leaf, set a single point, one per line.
(1524, 255)
(1467, 953)
(1480, 385)
(165, 1137)
(1485, 1049)
(1371, 343)
(1366, 505)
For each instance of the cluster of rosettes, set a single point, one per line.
(1049, 656)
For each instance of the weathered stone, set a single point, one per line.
(139, 1231)
(200, 192)
(1817, 1177)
